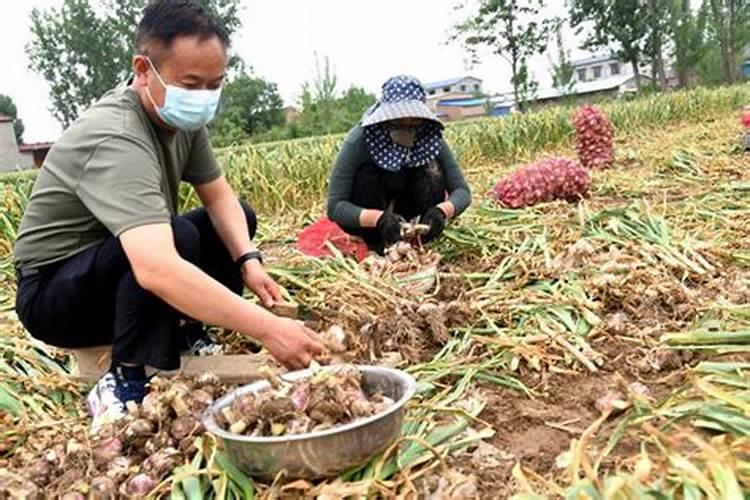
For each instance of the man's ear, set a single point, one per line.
(141, 68)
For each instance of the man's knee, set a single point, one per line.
(187, 239)
(252, 221)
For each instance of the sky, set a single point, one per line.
(366, 41)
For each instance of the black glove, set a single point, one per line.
(389, 227)
(435, 218)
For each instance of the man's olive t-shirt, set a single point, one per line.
(111, 171)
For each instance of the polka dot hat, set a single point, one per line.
(402, 97)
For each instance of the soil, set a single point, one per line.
(536, 430)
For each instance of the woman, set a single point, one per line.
(395, 167)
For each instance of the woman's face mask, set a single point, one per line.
(404, 131)
(185, 109)
(404, 136)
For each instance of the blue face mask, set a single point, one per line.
(186, 109)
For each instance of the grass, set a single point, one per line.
(652, 265)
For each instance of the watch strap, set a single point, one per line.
(249, 256)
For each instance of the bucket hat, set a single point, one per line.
(403, 96)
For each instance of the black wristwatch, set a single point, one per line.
(248, 256)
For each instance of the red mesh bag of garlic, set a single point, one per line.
(543, 181)
(745, 117)
(594, 138)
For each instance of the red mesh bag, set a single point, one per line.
(594, 137)
(545, 180)
(312, 241)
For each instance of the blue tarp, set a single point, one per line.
(500, 111)
(460, 103)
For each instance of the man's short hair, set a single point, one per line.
(165, 20)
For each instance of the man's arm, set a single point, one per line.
(159, 269)
(230, 223)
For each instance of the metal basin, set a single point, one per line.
(324, 453)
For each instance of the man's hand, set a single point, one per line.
(159, 269)
(389, 226)
(292, 343)
(435, 218)
(260, 283)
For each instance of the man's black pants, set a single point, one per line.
(92, 298)
(410, 192)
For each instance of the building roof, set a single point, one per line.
(449, 82)
(599, 58)
(581, 88)
(5, 119)
(36, 146)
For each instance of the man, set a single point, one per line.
(102, 256)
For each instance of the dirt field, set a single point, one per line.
(597, 348)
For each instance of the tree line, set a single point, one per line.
(704, 44)
(83, 48)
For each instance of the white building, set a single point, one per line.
(594, 77)
(600, 67)
(467, 85)
(10, 158)
(456, 88)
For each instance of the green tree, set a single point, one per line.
(318, 101)
(657, 37)
(352, 104)
(512, 30)
(525, 86)
(731, 21)
(84, 47)
(623, 22)
(250, 105)
(688, 29)
(324, 109)
(8, 108)
(562, 69)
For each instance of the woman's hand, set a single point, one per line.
(389, 226)
(435, 218)
(260, 283)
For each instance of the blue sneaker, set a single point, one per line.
(107, 401)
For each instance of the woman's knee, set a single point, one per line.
(368, 188)
(428, 186)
